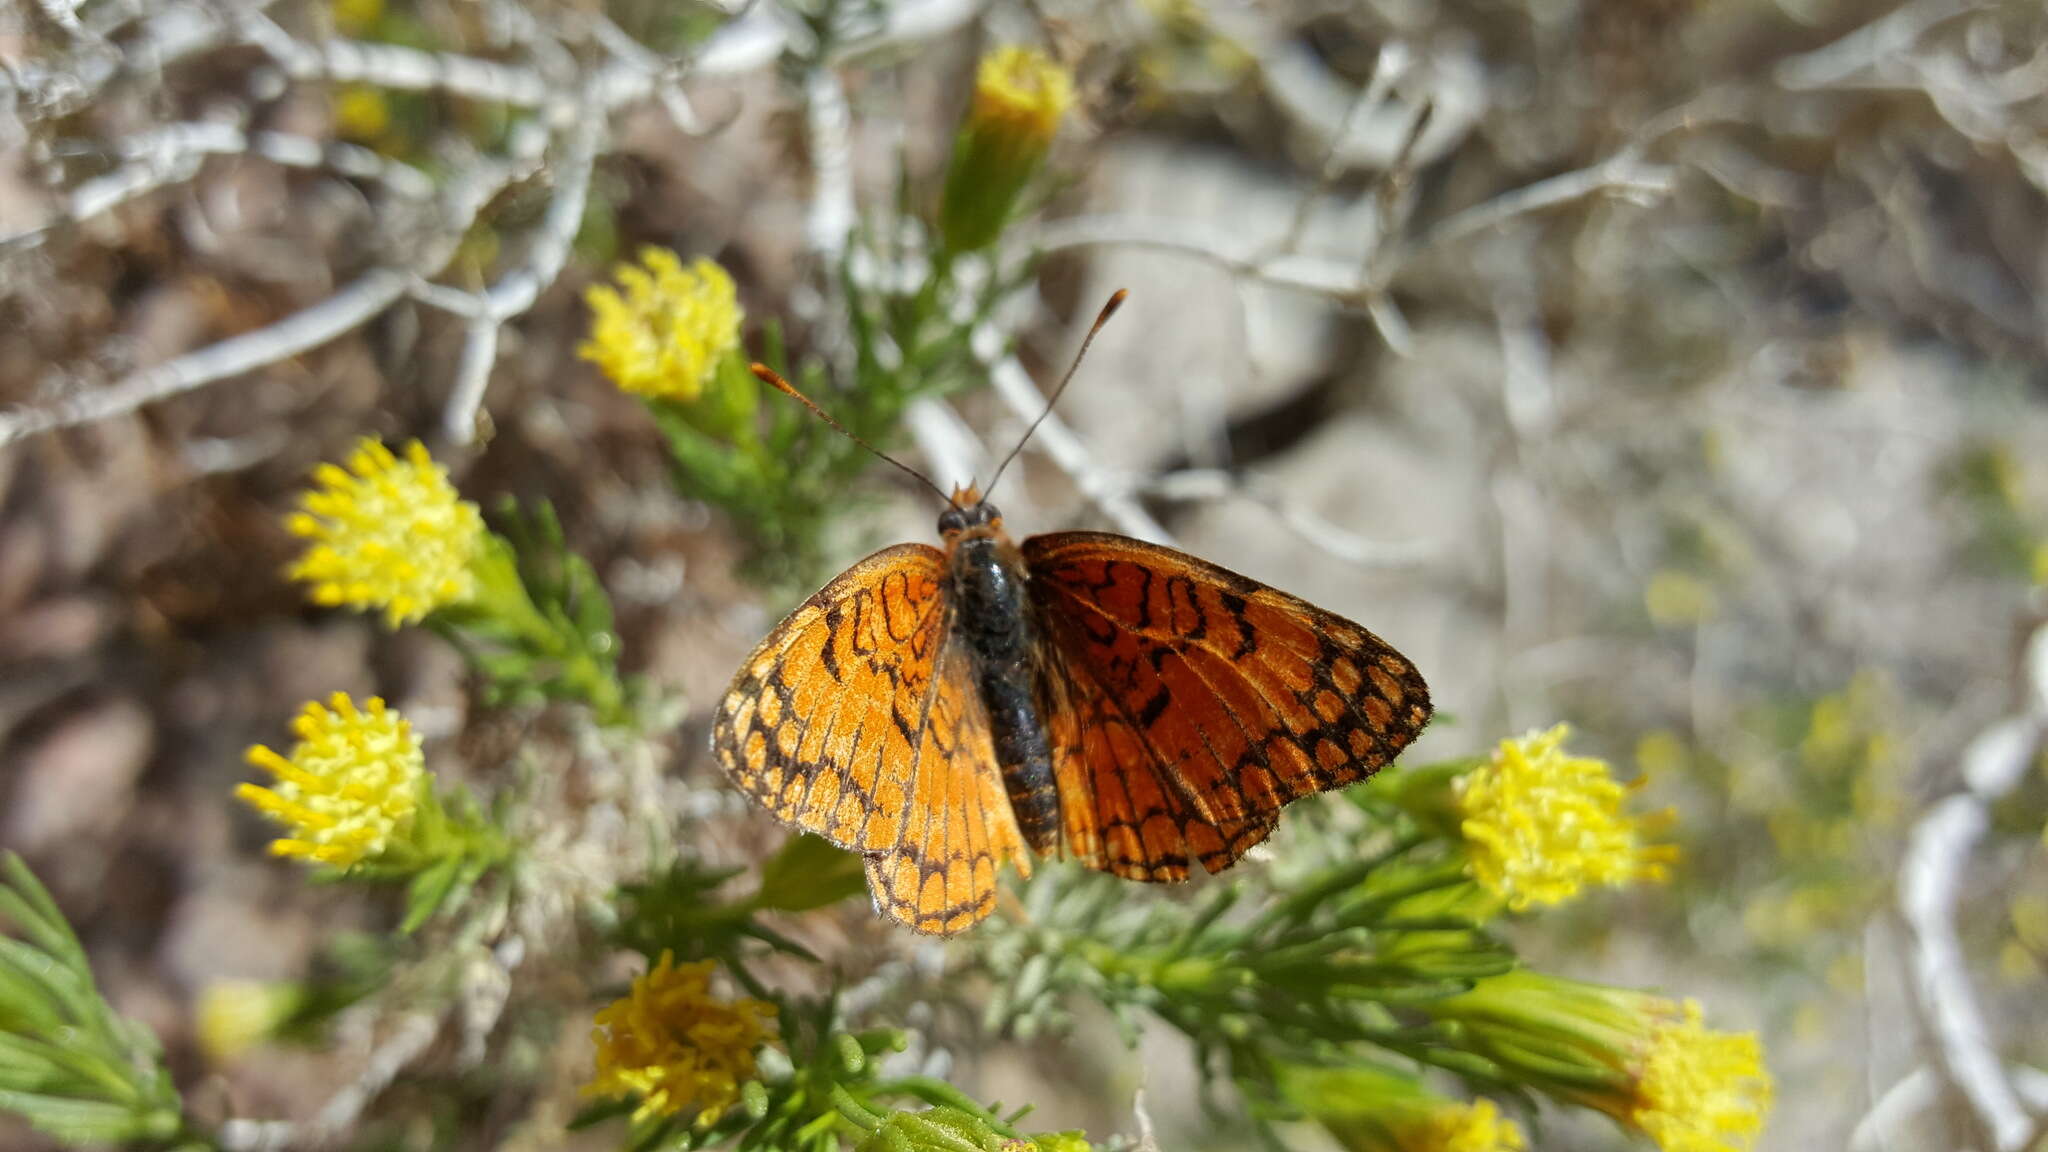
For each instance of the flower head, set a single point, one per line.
(387, 533)
(237, 1015)
(1369, 1110)
(1457, 1127)
(1647, 1061)
(350, 786)
(1023, 91)
(663, 331)
(1020, 96)
(1541, 825)
(1698, 1090)
(673, 1044)
(362, 113)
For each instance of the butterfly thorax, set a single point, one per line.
(993, 619)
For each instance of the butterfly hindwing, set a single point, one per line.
(1122, 810)
(941, 878)
(1240, 697)
(826, 721)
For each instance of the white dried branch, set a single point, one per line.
(44, 89)
(953, 454)
(511, 296)
(64, 14)
(398, 67)
(1624, 173)
(1326, 110)
(662, 74)
(1311, 526)
(829, 126)
(754, 39)
(1389, 66)
(173, 154)
(1931, 889)
(1849, 57)
(302, 331)
(414, 1035)
(1112, 495)
(912, 22)
(1911, 1095)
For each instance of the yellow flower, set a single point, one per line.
(1023, 91)
(1455, 1127)
(236, 1015)
(1020, 95)
(1677, 599)
(361, 113)
(668, 331)
(673, 1044)
(1368, 1109)
(1646, 1061)
(387, 533)
(1700, 1090)
(1541, 825)
(350, 786)
(356, 17)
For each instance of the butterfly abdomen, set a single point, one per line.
(992, 617)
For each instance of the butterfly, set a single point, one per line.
(944, 711)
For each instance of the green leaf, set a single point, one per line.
(427, 891)
(68, 1065)
(809, 872)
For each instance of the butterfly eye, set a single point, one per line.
(985, 514)
(952, 520)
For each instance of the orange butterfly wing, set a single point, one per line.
(825, 722)
(942, 878)
(1197, 702)
(1123, 810)
(856, 720)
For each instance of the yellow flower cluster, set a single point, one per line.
(362, 114)
(1021, 90)
(349, 787)
(1368, 1109)
(1648, 1062)
(1453, 1127)
(1541, 825)
(1700, 1090)
(237, 1015)
(664, 335)
(673, 1044)
(387, 533)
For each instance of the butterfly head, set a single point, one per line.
(969, 515)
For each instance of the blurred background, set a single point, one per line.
(1673, 369)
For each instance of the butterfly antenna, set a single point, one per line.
(1116, 301)
(774, 380)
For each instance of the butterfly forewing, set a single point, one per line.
(1242, 698)
(826, 723)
